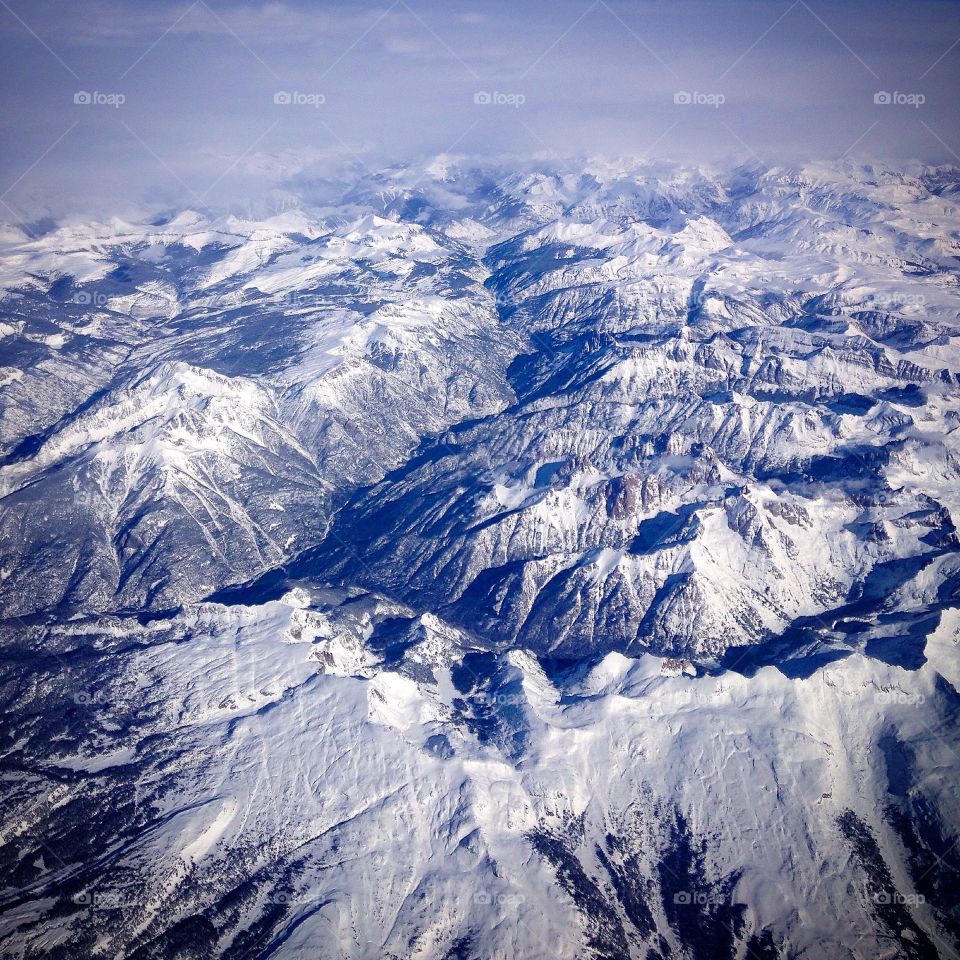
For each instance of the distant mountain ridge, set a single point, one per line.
(652, 377)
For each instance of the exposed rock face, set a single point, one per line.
(714, 436)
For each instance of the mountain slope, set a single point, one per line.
(503, 561)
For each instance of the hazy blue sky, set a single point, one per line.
(198, 122)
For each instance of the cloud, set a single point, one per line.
(693, 80)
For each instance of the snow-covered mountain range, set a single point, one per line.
(502, 561)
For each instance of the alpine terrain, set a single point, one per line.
(494, 560)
